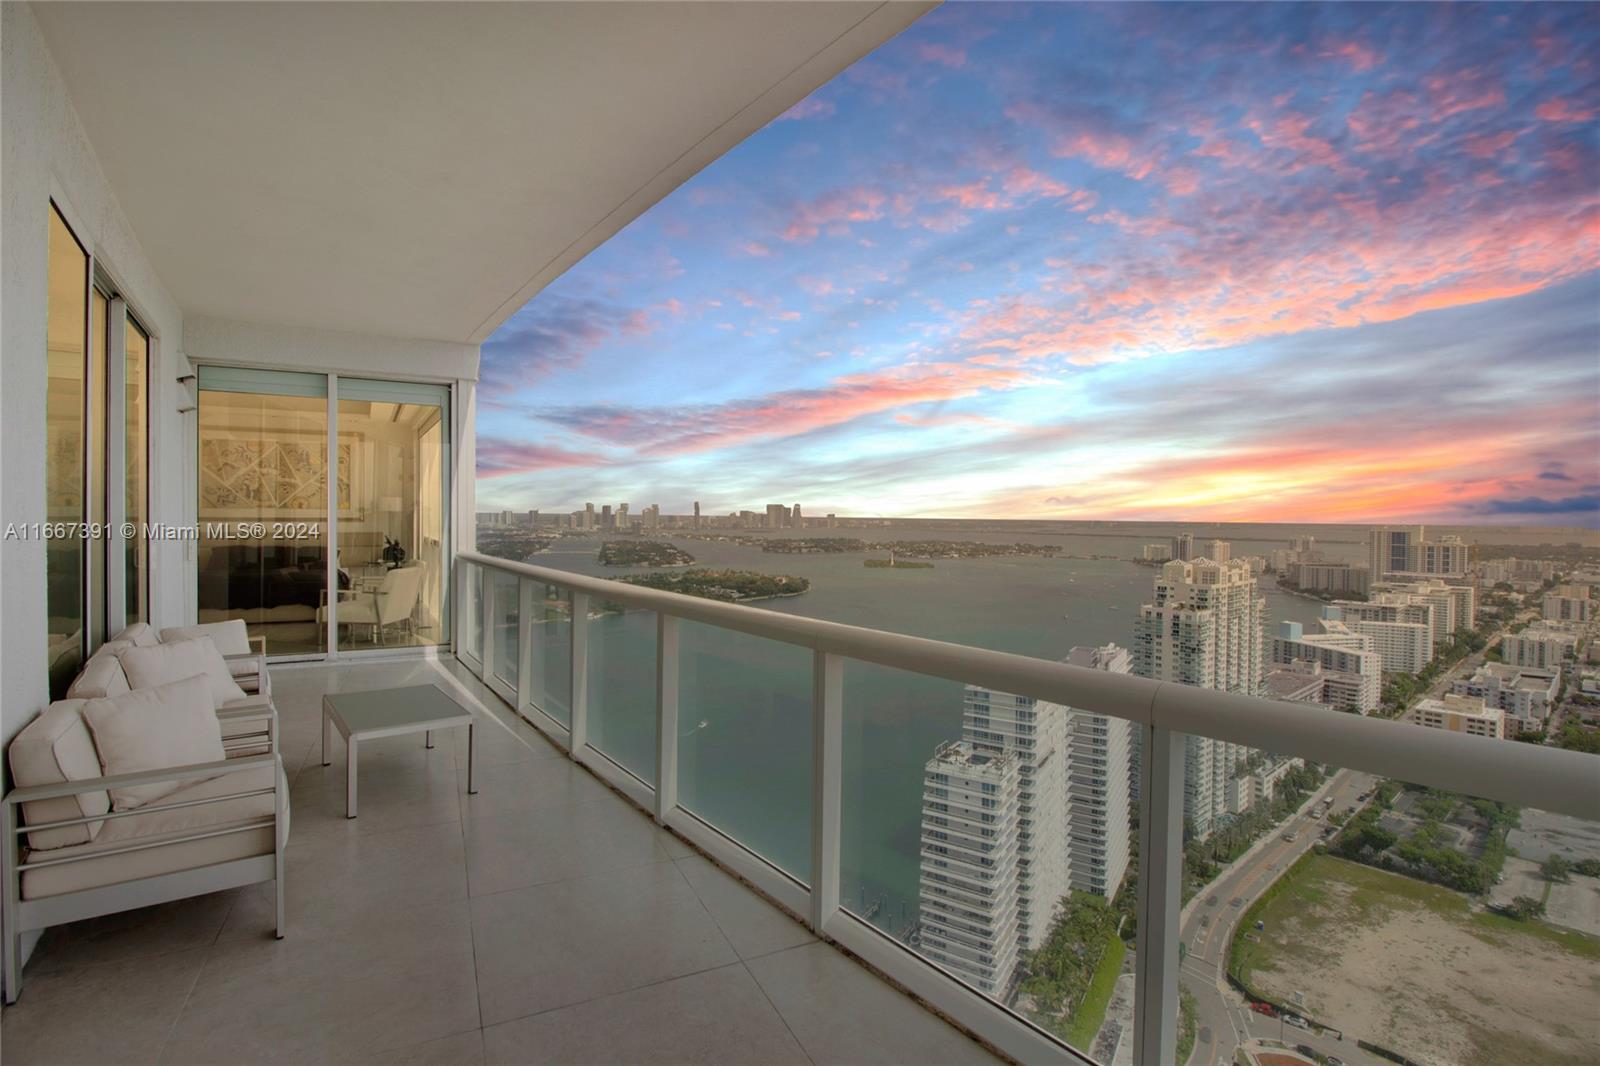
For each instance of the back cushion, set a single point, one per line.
(101, 676)
(230, 637)
(52, 749)
(148, 667)
(140, 633)
(153, 729)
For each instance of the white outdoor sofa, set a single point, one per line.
(71, 852)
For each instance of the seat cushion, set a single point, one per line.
(142, 634)
(156, 826)
(102, 675)
(231, 637)
(54, 748)
(148, 667)
(153, 729)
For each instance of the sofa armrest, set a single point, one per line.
(192, 772)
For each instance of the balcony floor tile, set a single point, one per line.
(546, 908)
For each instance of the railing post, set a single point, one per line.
(666, 715)
(1155, 1035)
(827, 784)
(525, 608)
(580, 671)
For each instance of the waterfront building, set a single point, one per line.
(1352, 656)
(1405, 551)
(1462, 714)
(1099, 750)
(1156, 553)
(1035, 737)
(1543, 646)
(967, 909)
(1203, 627)
(697, 514)
(777, 516)
(1218, 551)
(1341, 579)
(1455, 606)
(1525, 695)
(797, 520)
(1183, 547)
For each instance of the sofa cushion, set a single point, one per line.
(147, 667)
(101, 676)
(156, 826)
(153, 729)
(54, 748)
(231, 637)
(142, 634)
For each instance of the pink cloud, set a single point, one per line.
(1560, 109)
(933, 52)
(756, 249)
(498, 457)
(833, 212)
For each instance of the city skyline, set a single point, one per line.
(977, 274)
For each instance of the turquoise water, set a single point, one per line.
(745, 703)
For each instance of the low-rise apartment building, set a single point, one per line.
(1462, 714)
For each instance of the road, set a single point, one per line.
(1224, 1018)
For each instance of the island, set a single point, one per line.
(920, 549)
(729, 586)
(892, 563)
(642, 553)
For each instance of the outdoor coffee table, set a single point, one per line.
(391, 712)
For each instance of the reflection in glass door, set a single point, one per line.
(263, 505)
(65, 349)
(391, 540)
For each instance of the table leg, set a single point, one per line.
(472, 751)
(427, 738)
(351, 744)
(326, 722)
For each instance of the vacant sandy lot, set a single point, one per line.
(1412, 967)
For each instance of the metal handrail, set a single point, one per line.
(1524, 774)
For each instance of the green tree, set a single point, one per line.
(1557, 868)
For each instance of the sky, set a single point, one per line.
(1276, 262)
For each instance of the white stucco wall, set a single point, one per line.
(46, 154)
(215, 340)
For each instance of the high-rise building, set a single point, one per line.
(795, 517)
(1204, 627)
(697, 514)
(1183, 547)
(588, 516)
(1099, 752)
(605, 517)
(622, 516)
(967, 906)
(1218, 551)
(777, 516)
(1406, 551)
(1338, 578)
(1525, 695)
(1455, 606)
(1035, 735)
(1338, 651)
(1560, 608)
(1542, 646)
(1404, 647)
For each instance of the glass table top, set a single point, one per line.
(388, 708)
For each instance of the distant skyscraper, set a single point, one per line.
(967, 907)
(1204, 627)
(777, 516)
(697, 514)
(795, 518)
(605, 516)
(1183, 547)
(1406, 551)
(1218, 551)
(588, 516)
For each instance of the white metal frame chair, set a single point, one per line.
(30, 915)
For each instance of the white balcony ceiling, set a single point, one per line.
(420, 170)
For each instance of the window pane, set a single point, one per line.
(622, 687)
(507, 656)
(391, 522)
(64, 473)
(1380, 916)
(98, 453)
(136, 549)
(263, 513)
(744, 741)
(550, 635)
(994, 835)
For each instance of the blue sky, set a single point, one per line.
(1203, 262)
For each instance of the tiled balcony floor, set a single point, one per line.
(545, 919)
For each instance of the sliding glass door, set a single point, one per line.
(392, 469)
(66, 444)
(370, 573)
(263, 506)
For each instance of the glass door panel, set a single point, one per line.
(263, 507)
(136, 575)
(391, 542)
(65, 391)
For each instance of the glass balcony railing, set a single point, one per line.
(1014, 840)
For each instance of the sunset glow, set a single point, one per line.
(1266, 262)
